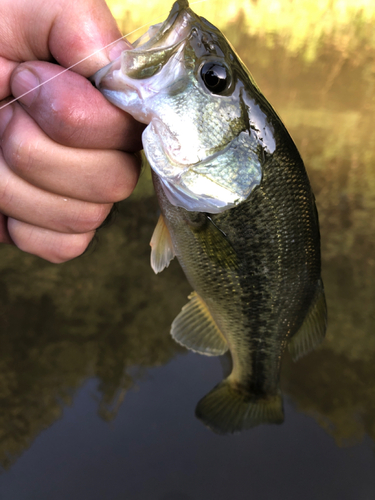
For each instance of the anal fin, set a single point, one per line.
(195, 329)
(313, 329)
(162, 251)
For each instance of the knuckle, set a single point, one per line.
(70, 248)
(6, 193)
(19, 153)
(90, 218)
(69, 129)
(123, 184)
(118, 191)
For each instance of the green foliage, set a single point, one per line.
(301, 26)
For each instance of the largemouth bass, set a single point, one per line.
(237, 211)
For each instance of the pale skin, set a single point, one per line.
(66, 154)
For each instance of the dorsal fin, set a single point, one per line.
(195, 329)
(313, 329)
(162, 251)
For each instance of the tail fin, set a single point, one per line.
(226, 410)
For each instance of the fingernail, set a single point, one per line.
(5, 117)
(119, 47)
(25, 86)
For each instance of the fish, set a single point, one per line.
(237, 210)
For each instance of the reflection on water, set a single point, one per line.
(94, 317)
(106, 315)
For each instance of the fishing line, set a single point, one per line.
(84, 59)
(72, 66)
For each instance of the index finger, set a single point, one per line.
(64, 30)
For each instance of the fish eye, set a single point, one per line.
(215, 77)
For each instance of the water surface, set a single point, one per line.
(96, 399)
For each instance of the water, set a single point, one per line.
(96, 399)
(155, 450)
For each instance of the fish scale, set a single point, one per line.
(237, 212)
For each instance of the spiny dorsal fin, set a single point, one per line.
(313, 329)
(162, 251)
(195, 329)
(225, 409)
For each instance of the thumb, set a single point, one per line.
(71, 111)
(84, 31)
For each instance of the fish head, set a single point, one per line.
(207, 134)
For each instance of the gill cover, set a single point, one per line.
(207, 136)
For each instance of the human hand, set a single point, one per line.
(66, 154)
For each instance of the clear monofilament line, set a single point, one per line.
(72, 66)
(84, 59)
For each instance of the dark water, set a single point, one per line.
(97, 401)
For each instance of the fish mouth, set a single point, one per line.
(147, 57)
(195, 175)
(174, 28)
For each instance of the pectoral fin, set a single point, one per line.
(195, 329)
(162, 251)
(313, 329)
(216, 246)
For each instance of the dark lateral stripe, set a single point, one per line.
(258, 359)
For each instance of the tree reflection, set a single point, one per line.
(106, 312)
(96, 316)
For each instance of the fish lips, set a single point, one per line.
(134, 76)
(121, 91)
